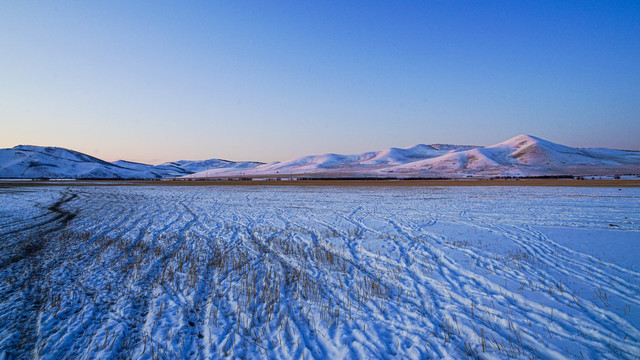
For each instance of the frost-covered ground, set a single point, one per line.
(319, 272)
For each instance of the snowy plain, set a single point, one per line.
(319, 272)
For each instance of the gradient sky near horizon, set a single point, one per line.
(156, 81)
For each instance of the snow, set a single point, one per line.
(151, 171)
(520, 156)
(321, 272)
(526, 155)
(36, 162)
(193, 166)
(25, 161)
(341, 165)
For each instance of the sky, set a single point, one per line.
(156, 81)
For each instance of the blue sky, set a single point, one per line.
(155, 81)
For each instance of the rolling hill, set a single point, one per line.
(34, 162)
(520, 156)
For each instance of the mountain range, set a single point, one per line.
(34, 162)
(520, 156)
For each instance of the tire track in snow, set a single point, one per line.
(391, 237)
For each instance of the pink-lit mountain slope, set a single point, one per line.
(522, 155)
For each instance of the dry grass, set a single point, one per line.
(377, 183)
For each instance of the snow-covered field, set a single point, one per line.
(319, 272)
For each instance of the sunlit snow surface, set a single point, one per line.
(320, 272)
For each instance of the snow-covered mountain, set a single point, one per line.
(340, 165)
(194, 166)
(32, 162)
(153, 171)
(184, 167)
(522, 155)
(24, 161)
